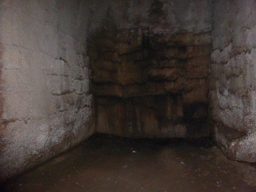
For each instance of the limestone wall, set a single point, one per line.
(150, 78)
(233, 78)
(45, 103)
(148, 73)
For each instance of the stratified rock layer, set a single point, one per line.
(150, 85)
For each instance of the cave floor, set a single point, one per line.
(112, 164)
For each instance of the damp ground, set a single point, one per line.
(106, 163)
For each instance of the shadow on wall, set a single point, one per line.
(148, 83)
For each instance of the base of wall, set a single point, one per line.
(160, 116)
(237, 146)
(13, 168)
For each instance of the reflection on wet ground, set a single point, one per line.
(112, 164)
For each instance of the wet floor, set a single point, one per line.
(111, 164)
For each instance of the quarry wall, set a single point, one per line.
(45, 99)
(233, 78)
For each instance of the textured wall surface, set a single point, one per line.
(114, 14)
(180, 16)
(45, 104)
(150, 76)
(150, 66)
(233, 78)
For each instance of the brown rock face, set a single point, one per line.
(151, 86)
(149, 116)
(164, 74)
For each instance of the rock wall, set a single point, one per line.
(45, 99)
(150, 79)
(233, 78)
(148, 70)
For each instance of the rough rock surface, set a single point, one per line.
(148, 63)
(45, 104)
(158, 63)
(233, 78)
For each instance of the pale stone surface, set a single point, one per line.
(233, 71)
(45, 81)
